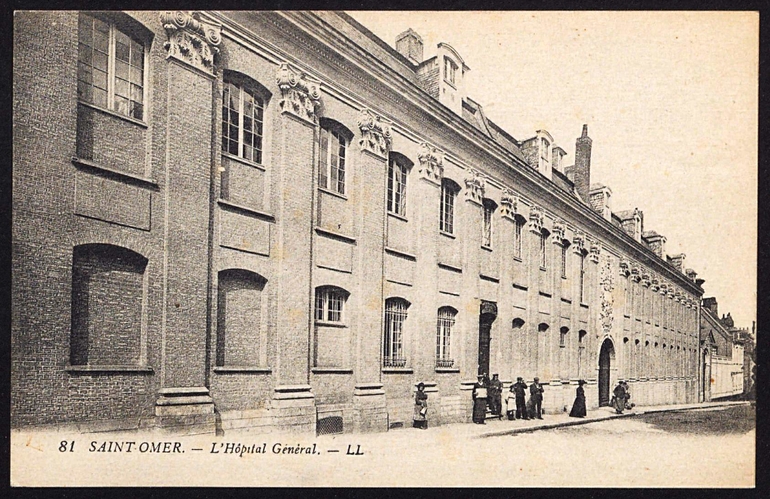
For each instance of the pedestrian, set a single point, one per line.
(579, 407)
(496, 395)
(510, 404)
(520, 389)
(479, 400)
(420, 407)
(619, 397)
(628, 404)
(536, 396)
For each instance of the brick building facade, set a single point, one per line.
(262, 219)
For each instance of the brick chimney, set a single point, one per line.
(711, 304)
(677, 261)
(409, 44)
(600, 200)
(581, 172)
(656, 242)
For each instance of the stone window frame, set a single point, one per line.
(331, 130)
(445, 321)
(257, 92)
(117, 26)
(394, 344)
(329, 305)
(450, 71)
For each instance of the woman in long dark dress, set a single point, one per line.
(480, 401)
(420, 407)
(579, 407)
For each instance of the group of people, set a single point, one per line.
(488, 394)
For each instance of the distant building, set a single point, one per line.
(277, 220)
(722, 354)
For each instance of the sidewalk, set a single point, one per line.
(496, 427)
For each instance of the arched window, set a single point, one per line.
(111, 66)
(542, 327)
(544, 249)
(239, 318)
(108, 294)
(487, 229)
(398, 169)
(393, 340)
(243, 108)
(563, 336)
(449, 191)
(444, 326)
(330, 304)
(581, 338)
(517, 323)
(332, 158)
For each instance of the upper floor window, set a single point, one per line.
(544, 249)
(331, 167)
(449, 190)
(329, 304)
(545, 150)
(393, 341)
(517, 237)
(564, 248)
(489, 210)
(444, 325)
(450, 70)
(397, 175)
(582, 276)
(111, 67)
(242, 122)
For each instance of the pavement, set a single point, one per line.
(496, 427)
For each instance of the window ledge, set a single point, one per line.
(396, 215)
(335, 235)
(242, 369)
(584, 305)
(626, 316)
(398, 370)
(238, 159)
(115, 368)
(447, 234)
(246, 209)
(517, 259)
(453, 85)
(331, 370)
(566, 300)
(487, 248)
(331, 324)
(447, 369)
(109, 112)
(113, 172)
(403, 254)
(544, 269)
(332, 193)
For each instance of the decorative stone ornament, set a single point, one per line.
(624, 270)
(635, 274)
(191, 40)
(607, 282)
(376, 135)
(655, 284)
(509, 204)
(646, 280)
(536, 219)
(300, 95)
(595, 251)
(558, 232)
(474, 186)
(578, 243)
(431, 163)
(663, 288)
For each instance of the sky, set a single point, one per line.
(671, 103)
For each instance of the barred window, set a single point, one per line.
(444, 325)
(242, 122)
(395, 316)
(111, 67)
(331, 168)
(489, 210)
(449, 190)
(329, 304)
(397, 174)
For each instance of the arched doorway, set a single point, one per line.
(487, 316)
(605, 358)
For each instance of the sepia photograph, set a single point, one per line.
(384, 248)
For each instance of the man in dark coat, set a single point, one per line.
(619, 398)
(495, 395)
(536, 395)
(520, 389)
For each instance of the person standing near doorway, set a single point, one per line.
(520, 390)
(496, 395)
(619, 398)
(480, 400)
(536, 396)
(420, 407)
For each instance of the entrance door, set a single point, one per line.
(604, 373)
(487, 316)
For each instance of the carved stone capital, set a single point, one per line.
(578, 243)
(646, 279)
(595, 251)
(635, 274)
(655, 284)
(558, 232)
(431, 163)
(536, 219)
(474, 186)
(663, 289)
(300, 95)
(191, 40)
(624, 271)
(376, 135)
(509, 204)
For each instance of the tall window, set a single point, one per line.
(543, 249)
(444, 325)
(110, 68)
(242, 120)
(489, 210)
(397, 174)
(582, 277)
(329, 303)
(563, 336)
(517, 238)
(449, 192)
(450, 70)
(564, 247)
(395, 316)
(331, 168)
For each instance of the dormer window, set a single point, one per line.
(450, 70)
(545, 150)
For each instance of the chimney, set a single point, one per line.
(631, 221)
(656, 243)
(711, 304)
(409, 44)
(691, 274)
(677, 261)
(582, 168)
(600, 196)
